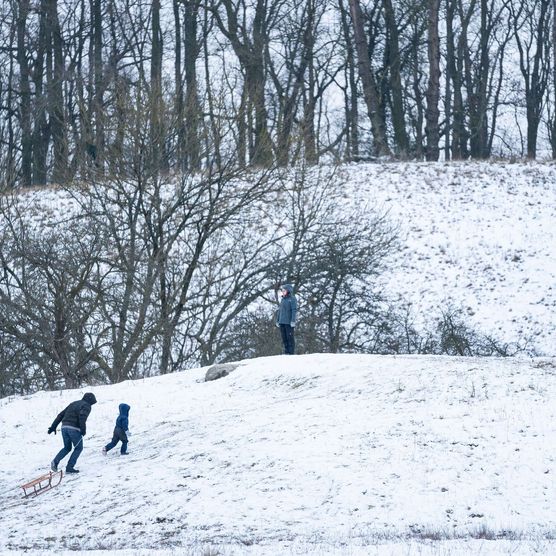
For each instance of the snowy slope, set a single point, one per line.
(476, 236)
(480, 236)
(316, 454)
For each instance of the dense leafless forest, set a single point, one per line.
(87, 86)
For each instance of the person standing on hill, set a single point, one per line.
(74, 428)
(286, 315)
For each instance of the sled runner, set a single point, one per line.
(43, 483)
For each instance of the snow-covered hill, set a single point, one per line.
(479, 236)
(316, 454)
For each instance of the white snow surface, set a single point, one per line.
(478, 236)
(314, 454)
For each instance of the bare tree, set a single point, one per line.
(48, 296)
(531, 21)
(331, 256)
(188, 111)
(156, 107)
(433, 89)
(456, 148)
(393, 63)
(250, 46)
(350, 90)
(289, 78)
(370, 91)
(25, 94)
(55, 70)
(98, 82)
(41, 129)
(552, 124)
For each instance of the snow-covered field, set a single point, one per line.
(314, 454)
(480, 236)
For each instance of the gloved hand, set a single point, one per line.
(82, 433)
(51, 430)
(277, 324)
(292, 324)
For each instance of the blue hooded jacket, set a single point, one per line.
(287, 311)
(122, 421)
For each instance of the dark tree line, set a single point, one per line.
(273, 81)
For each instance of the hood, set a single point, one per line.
(124, 409)
(89, 398)
(288, 288)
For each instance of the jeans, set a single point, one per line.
(119, 434)
(287, 338)
(70, 437)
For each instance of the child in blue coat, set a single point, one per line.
(121, 431)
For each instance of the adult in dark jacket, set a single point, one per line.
(121, 431)
(286, 316)
(74, 428)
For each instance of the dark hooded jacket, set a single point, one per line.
(122, 422)
(75, 415)
(287, 311)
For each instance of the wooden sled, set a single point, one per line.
(42, 484)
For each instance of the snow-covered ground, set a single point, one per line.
(335, 454)
(314, 454)
(480, 236)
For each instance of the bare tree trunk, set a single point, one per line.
(298, 57)
(477, 90)
(447, 109)
(418, 78)
(534, 67)
(351, 108)
(242, 128)
(309, 133)
(178, 100)
(394, 65)
(192, 104)
(370, 92)
(41, 131)
(539, 80)
(496, 100)
(25, 94)
(454, 69)
(466, 69)
(553, 133)
(114, 150)
(55, 78)
(98, 102)
(262, 154)
(156, 103)
(433, 90)
(86, 147)
(212, 127)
